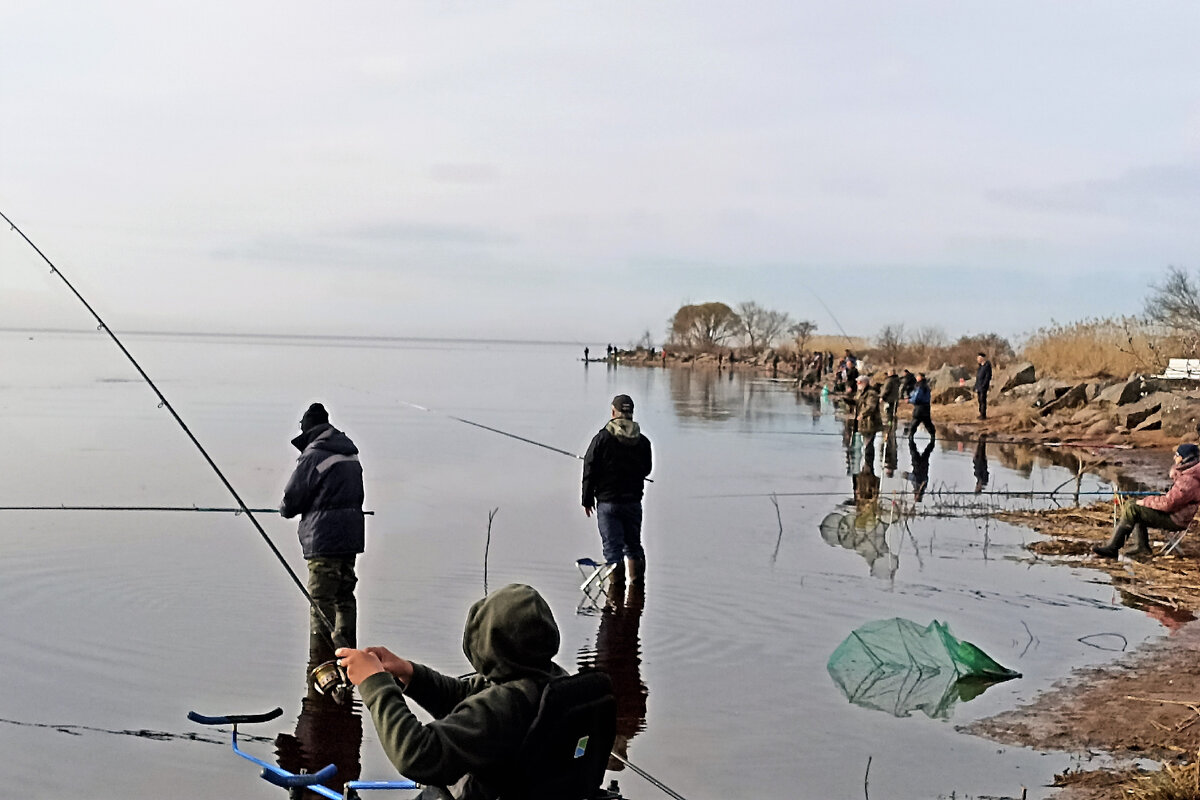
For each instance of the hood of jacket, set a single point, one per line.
(625, 430)
(511, 634)
(325, 437)
(1185, 466)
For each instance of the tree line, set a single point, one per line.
(710, 326)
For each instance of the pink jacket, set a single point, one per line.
(1183, 500)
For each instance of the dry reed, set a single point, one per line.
(1169, 783)
(1094, 348)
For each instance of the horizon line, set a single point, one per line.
(312, 336)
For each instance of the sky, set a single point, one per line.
(577, 171)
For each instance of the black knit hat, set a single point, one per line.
(1188, 452)
(315, 415)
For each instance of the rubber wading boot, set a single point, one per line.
(1141, 547)
(1110, 550)
(636, 569)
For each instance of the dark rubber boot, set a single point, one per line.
(1110, 550)
(636, 569)
(1141, 547)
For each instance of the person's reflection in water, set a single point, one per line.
(327, 732)
(866, 488)
(919, 475)
(618, 653)
(889, 452)
(981, 464)
(853, 446)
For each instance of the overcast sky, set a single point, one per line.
(578, 170)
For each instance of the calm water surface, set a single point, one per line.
(116, 624)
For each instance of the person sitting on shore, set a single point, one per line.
(481, 741)
(1172, 511)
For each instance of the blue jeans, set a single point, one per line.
(621, 530)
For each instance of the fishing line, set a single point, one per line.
(948, 493)
(551, 448)
(164, 403)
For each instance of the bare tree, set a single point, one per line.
(802, 331)
(1175, 303)
(760, 327)
(927, 339)
(890, 341)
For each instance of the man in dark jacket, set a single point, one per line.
(326, 490)
(479, 722)
(983, 382)
(920, 400)
(614, 468)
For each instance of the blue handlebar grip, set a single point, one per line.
(289, 781)
(234, 719)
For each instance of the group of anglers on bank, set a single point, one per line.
(872, 408)
(503, 731)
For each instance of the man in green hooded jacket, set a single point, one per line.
(473, 742)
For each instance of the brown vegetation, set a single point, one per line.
(1096, 348)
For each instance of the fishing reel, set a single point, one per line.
(331, 680)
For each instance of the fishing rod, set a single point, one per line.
(497, 430)
(199, 509)
(493, 430)
(649, 777)
(332, 634)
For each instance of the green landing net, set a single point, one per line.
(898, 666)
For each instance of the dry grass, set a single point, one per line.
(837, 344)
(1169, 783)
(1095, 348)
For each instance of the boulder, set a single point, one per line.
(1124, 392)
(1181, 417)
(1016, 375)
(1048, 390)
(1100, 428)
(1150, 423)
(1132, 415)
(947, 375)
(952, 394)
(1073, 397)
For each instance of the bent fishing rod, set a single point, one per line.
(333, 636)
(533, 442)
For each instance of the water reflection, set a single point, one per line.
(918, 474)
(980, 464)
(865, 532)
(328, 731)
(618, 653)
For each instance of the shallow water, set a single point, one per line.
(116, 624)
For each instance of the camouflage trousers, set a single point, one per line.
(331, 582)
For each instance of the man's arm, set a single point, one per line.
(297, 495)
(589, 475)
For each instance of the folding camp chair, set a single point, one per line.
(595, 584)
(1174, 542)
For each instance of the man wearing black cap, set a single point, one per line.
(1172, 511)
(326, 490)
(614, 468)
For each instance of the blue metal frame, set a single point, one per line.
(278, 776)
